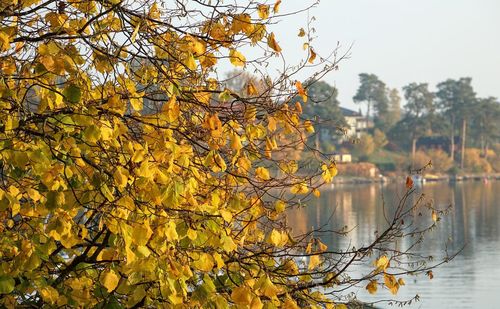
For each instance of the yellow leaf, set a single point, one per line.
(154, 12)
(321, 246)
(277, 238)
(389, 280)
(241, 23)
(251, 89)
(271, 42)
(196, 46)
(4, 41)
(391, 283)
(312, 55)
(136, 31)
(33, 194)
(271, 124)
(121, 176)
(382, 263)
(189, 62)
(276, 7)
(301, 91)
(109, 279)
(236, 58)
(228, 244)
(314, 261)
(141, 234)
(300, 188)
(267, 288)
(434, 216)
(236, 142)
(329, 171)
(262, 173)
(263, 11)
(204, 262)
(136, 102)
(171, 231)
(280, 206)
(290, 304)
(49, 295)
(308, 126)
(316, 192)
(242, 295)
(302, 32)
(191, 234)
(372, 286)
(298, 107)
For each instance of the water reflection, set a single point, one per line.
(470, 280)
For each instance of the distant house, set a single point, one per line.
(342, 158)
(356, 123)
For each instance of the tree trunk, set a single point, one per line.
(483, 145)
(368, 110)
(413, 151)
(318, 139)
(462, 154)
(452, 141)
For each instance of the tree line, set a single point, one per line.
(452, 119)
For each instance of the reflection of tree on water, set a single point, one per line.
(474, 220)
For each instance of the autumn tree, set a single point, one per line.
(132, 176)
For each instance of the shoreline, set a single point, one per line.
(417, 178)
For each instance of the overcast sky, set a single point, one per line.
(402, 41)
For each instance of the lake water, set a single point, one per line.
(470, 280)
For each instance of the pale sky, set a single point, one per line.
(402, 41)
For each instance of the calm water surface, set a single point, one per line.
(471, 280)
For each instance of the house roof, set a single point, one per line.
(349, 112)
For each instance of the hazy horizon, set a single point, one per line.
(401, 41)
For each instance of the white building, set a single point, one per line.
(356, 123)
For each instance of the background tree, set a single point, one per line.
(365, 146)
(373, 92)
(104, 203)
(456, 99)
(394, 114)
(323, 109)
(419, 110)
(485, 126)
